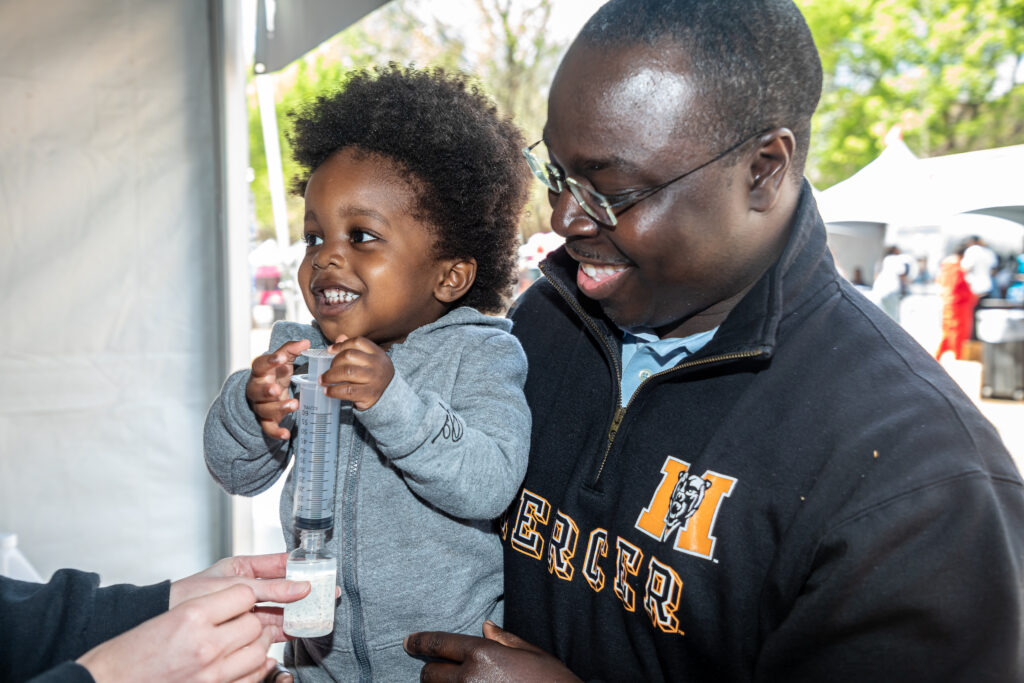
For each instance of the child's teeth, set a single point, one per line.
(336, 296)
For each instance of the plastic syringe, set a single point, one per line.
(317, 452)
(316, 462)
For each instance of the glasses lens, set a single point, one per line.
(545, 172)
(593, 203)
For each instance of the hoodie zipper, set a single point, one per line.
(620, 411)
(589, 322)
(348, 552)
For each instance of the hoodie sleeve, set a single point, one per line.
(239, 456)
(467, 457)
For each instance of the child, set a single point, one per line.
(413, 187)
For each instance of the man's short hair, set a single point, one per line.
(754, 62)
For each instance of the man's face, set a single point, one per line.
(624, 119)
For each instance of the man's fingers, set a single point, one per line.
(452, 646)
(499, 635)
(439, 672)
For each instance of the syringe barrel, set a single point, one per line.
(317, 451)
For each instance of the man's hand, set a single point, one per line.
(262, 573)
(213, 638)
(360, 372)
(267, 388)
(498, 656)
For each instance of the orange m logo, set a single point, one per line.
(685, 507)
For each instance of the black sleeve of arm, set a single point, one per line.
(68, 672)
(925, 587)
(46, 625)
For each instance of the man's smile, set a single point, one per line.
(597, 277)
(598, 281)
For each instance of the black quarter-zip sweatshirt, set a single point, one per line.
(810, 497)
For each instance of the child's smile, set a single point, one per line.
(333, 299)
(370, 268)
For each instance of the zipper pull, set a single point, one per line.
(616, 421)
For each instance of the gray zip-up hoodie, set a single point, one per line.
(421, 475)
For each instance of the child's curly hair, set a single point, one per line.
(473, 182)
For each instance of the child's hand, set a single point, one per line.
(267, 388)
(360, 372)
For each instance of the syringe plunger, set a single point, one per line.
(319, 361)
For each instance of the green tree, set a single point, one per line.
(516, 70)
(945, 71)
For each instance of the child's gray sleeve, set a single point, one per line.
(239, 456)
(468, 457)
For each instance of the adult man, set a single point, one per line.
(203, 627)
(694, 325)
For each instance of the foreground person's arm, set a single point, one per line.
(204, 627)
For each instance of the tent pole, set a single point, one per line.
(272, 149)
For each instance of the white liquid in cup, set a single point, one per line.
(313, 615)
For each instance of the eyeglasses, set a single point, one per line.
(602, 207)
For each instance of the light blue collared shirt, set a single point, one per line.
(644, 354)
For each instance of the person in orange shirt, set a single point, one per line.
(958, 303)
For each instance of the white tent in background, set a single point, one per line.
(859, 210)
(919, 204)
(886, 191)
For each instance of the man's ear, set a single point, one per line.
(769, 167)
(458, 278)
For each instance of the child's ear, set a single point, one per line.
(458, 278)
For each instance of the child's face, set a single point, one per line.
(370, 268)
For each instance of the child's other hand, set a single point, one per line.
(360, 372)
(267, 388)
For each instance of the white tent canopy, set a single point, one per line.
(899, 189)
(884, 191)
(924, 205)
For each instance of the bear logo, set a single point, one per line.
(686, 497)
